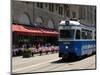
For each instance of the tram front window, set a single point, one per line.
(67, 34)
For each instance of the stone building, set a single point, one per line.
(49, 15)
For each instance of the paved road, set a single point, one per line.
(49, 62)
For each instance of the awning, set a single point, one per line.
(50, 32)
(26, 30)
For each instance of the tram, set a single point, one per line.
(76, 39)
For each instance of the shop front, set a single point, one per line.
(22, 34)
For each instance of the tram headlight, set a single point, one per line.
(66, 47)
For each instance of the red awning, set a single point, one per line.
(50, 32)
(25, 30)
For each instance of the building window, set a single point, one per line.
(56, 7)
(67, 10)
(40, 5)
(74, 15)
(46, 5)
(27, 2)
(89, 14)
(60, 10)
(67, 13)
(51, 7)
(82, 13)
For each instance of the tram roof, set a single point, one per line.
(63, 22)
(76, 23)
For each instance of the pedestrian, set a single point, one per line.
(52, 49)
(46, 49)
(33, 50)
(40, 50)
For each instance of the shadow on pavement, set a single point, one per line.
(70, 60)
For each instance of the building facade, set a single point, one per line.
(46, 15)
(50, 14)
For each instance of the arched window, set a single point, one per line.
(24, 19)
(50, 24)
(39, 20)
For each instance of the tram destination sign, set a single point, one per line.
(65, 27)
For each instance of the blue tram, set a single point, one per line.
(76, 39)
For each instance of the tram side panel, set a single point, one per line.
(77, 48)
(69, 48)
(88, 47)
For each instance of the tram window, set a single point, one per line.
(90, 34)
(95, 35)
(87, 34)
(77, 34)
(67, 34)
(83, 35)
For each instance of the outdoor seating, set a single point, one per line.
(40, 50)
